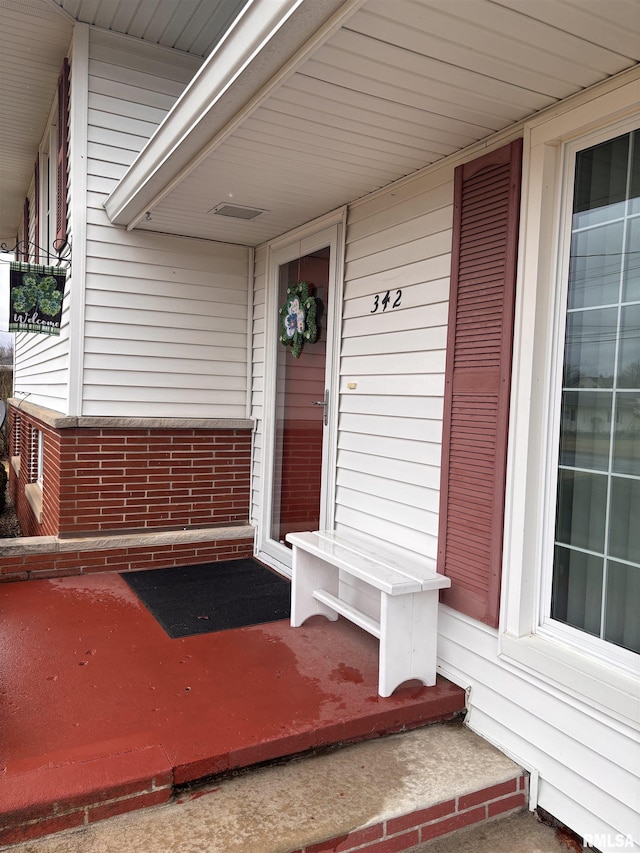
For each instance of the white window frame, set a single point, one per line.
(606, 677)
(33, 489)
(16, 440)
(48, 189)
(36, 456)
(546, 625)
(40, 459)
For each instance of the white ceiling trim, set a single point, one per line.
(266, 45)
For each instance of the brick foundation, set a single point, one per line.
(391, 835)
(146, 780)
(30, 559)
(111, 475)
(405, 831)
(120, 494)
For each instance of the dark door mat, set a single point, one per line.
(189, 600)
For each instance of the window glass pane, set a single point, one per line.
(582, 506)
(631, 291)
(597, 552)
(577, 590)
(601, 180)
(626, 439)
(624, 534)
(595, 266)
(585, 429)
(629, 362)
(634, 192)
(590, 348)
(622, 625)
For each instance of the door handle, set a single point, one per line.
(324, 403)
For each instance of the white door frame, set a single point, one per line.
(329, 231)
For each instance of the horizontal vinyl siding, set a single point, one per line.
(388, 481)
(165, 317)
(257, 394)
(588, 767)
(390, 424)
(42, 361)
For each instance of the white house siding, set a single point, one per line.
(390, 425)
(586, 765)
(585, 762)
(42, 361)
(388, 473)
(165, 317)
(257, 396)
(41, 369)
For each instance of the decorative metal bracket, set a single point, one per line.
(22, 247)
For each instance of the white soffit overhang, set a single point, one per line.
(308, 105)
(34, 39)
(266, 43)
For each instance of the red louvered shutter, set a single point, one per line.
(63, 154)
(25, 231)
(478, 374)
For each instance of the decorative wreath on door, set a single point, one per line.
(298, 318)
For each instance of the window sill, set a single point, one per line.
(611, 690)
(33, 493)
(15, 464)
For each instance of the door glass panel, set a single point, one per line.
(299, 409)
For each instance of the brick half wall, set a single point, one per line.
(115, 475)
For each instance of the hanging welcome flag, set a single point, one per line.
(35, 298)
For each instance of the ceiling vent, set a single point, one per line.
(236, 211)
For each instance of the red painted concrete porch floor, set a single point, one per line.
(101, 712)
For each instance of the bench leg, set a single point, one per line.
(408, 639)
(309, 573)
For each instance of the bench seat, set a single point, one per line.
(408, 595)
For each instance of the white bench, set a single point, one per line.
(408, 625)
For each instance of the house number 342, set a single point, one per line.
(380, 301)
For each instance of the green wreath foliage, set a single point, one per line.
(298, 318)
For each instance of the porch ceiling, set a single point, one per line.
(397, 86)
(34, 39)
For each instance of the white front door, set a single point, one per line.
(300, 392)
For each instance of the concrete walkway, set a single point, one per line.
(384, 795)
